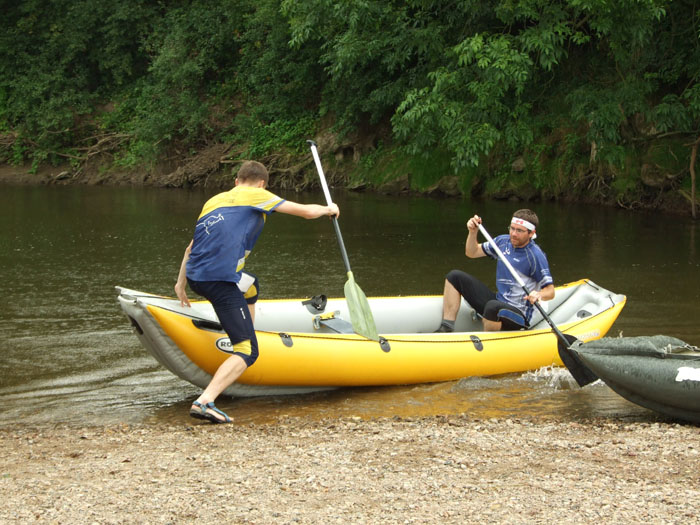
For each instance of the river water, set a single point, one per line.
(67, 353)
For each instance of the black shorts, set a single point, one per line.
(232, 309)
(484, 301)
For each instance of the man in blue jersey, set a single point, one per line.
(226, 231)
(509, 308)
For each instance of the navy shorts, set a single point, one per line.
(232, 309)
(484, 301)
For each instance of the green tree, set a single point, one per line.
(494, 84)
(193, 55)
(372, 52)
(59, 60)
(584, 91)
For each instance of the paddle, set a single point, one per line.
(360, 312)
(581, 373)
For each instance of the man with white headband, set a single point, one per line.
(509, 308)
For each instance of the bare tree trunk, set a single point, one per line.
(693, 156)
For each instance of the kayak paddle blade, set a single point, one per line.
(360, 312)
(580, 372)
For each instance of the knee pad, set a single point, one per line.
(251, 295)
(248, 350)
(250, 286)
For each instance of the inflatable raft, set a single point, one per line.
(659, 373)
(308, 345)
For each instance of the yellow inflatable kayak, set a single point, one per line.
(308, 345)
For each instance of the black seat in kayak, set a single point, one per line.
(316, 304)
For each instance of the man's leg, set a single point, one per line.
(459, 284)
(491, 326)
(502, 316)
(225, 376)
(451, 300)
(251, 293)
(251, 309)
(231, 308)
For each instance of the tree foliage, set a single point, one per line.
(61, 60)
(585, 85)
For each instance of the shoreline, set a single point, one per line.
(218, 179)
(441, 469)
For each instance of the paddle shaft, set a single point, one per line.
(522, 284)
(360, 312)
(329, 201)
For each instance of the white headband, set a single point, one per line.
(523, 222)
(526, 224)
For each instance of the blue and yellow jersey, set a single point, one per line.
(531, 264)
(226, 231)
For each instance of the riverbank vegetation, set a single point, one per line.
(573, 99)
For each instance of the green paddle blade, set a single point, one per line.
(360, 312)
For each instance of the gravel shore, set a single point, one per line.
(430, 470)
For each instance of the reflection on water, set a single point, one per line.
(502, 397)
(68, 354)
